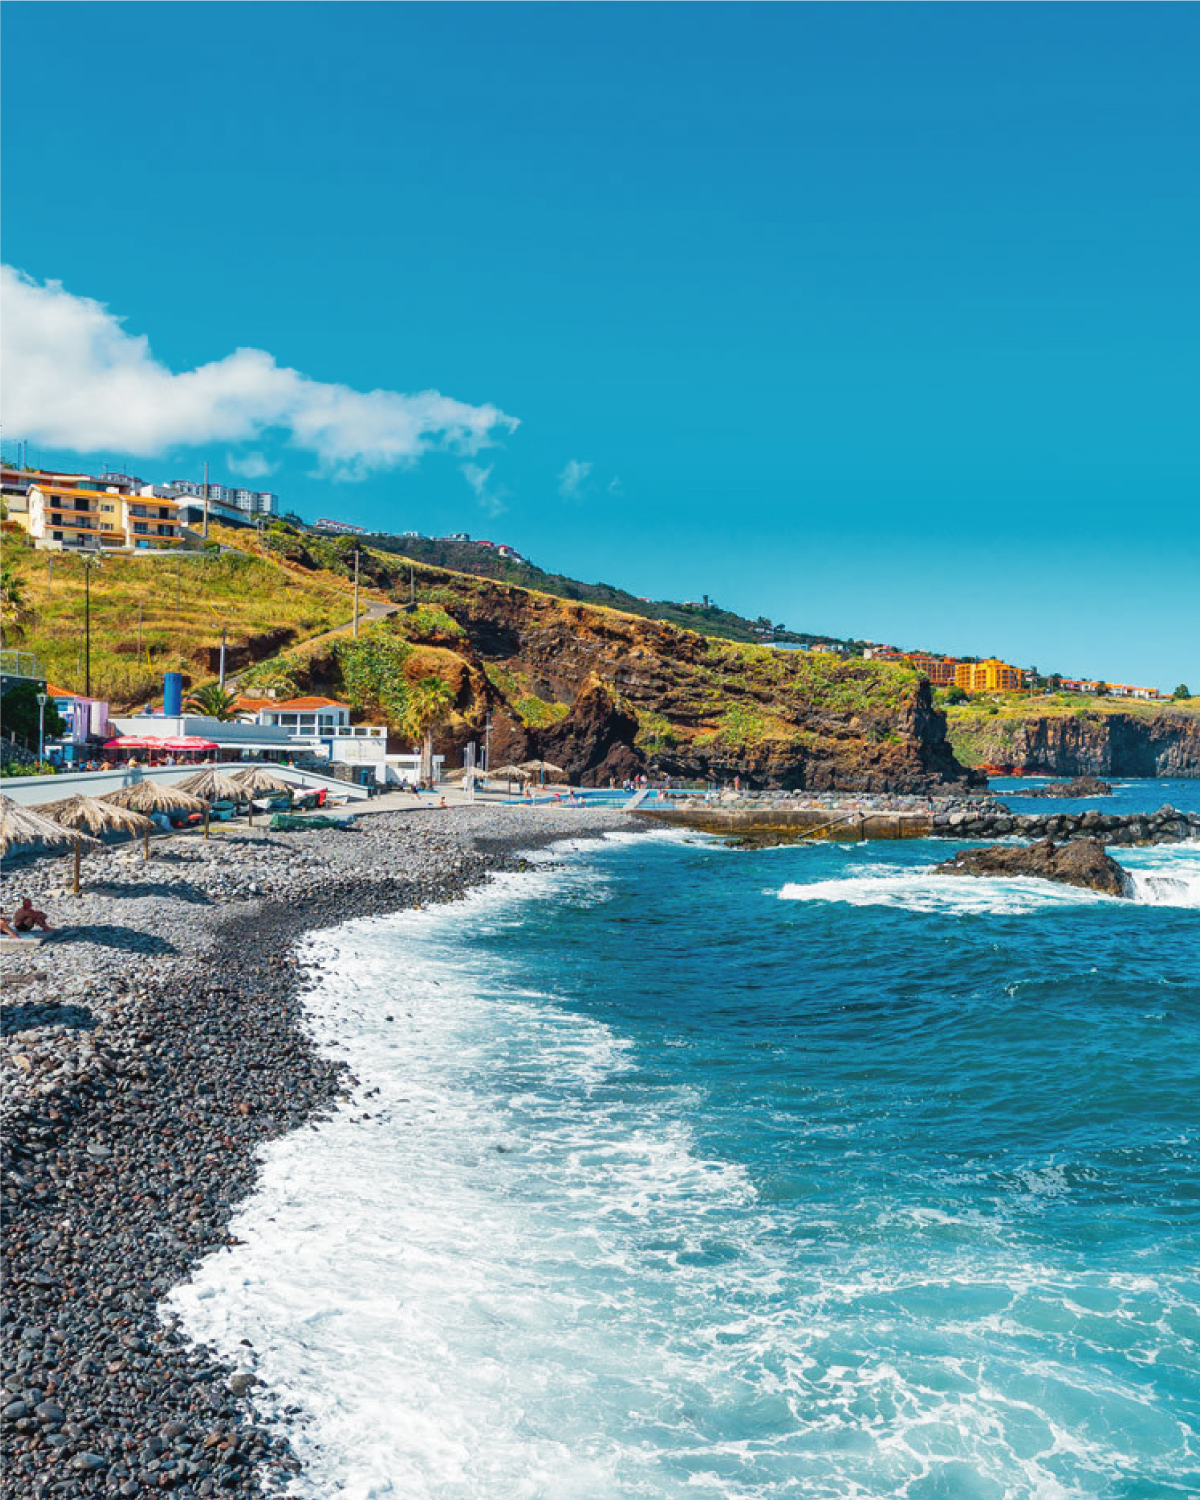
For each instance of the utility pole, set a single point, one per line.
(222, 655)
(206, 500)
(487, 737)
(87, 627)
(139, 649)
(178, 585)
(356, 556)
(41, 701)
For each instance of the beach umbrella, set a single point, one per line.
(214, 785)
(92, 816)
(152, 796)
(258, 781)
(510, 773)
(21, 825)
(542, 768)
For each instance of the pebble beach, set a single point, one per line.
(149, 1048)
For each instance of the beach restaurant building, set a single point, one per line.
(321, 727)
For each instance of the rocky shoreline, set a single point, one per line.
(147, 1053)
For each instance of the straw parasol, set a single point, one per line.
(510, 773)
(154, 797)
(214, 785)
(258, 781)
(542, 768)
(21, 825)
(92, 816)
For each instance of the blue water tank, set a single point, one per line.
(172, 694)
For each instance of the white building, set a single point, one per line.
(249, 502)
(321, 727)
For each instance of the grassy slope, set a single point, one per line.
(309, 592)
(708, 671)
(468, 557)
(183, 608)
(981, 731)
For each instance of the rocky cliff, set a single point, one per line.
(605, 694)
(1161, 743)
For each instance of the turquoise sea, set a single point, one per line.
(676, 1170)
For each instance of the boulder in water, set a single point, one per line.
(1082, 862)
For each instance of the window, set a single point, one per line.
(107, 508)
(57, 535)
(140, 526)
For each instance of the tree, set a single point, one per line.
(1182, 691)
(19, 710)
(1101, 690)
(12, 601)
(214, 701)
(954, 694)
(429, 704)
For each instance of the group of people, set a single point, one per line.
(26, 919)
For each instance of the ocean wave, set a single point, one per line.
(518, 1265)
(1160, 878)
(923, 890)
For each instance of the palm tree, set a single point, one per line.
(214, 701)
(12, 602)
(429, 703)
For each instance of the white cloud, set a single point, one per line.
(77, 381)
(616, 488)
(250, 465)
(492, 499)
(573, 479)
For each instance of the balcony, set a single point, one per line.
(72, 521)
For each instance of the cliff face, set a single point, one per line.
(609, 695)
(1162, 744)
(640, 695)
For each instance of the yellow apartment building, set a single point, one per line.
(90, 519)
(991, 676)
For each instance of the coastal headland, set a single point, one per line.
(149, 1048)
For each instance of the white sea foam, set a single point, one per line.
(925, 891)
(1167, 875)
(508, 1270)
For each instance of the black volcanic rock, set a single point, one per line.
(1083, 862)
(1080, 786)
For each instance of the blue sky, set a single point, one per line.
(879, 320)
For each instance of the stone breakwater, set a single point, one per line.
(844, 820)
(147, 1051)
(991, 821)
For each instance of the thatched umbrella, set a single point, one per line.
(151, 796)
(255, 781)
(21, 825)
(258, 781)
(542, 768)
(214, 785)
(92, 816)
(510, 773)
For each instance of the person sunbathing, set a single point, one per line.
(27, 917)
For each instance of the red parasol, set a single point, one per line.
(134, 742)
(190, 742)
